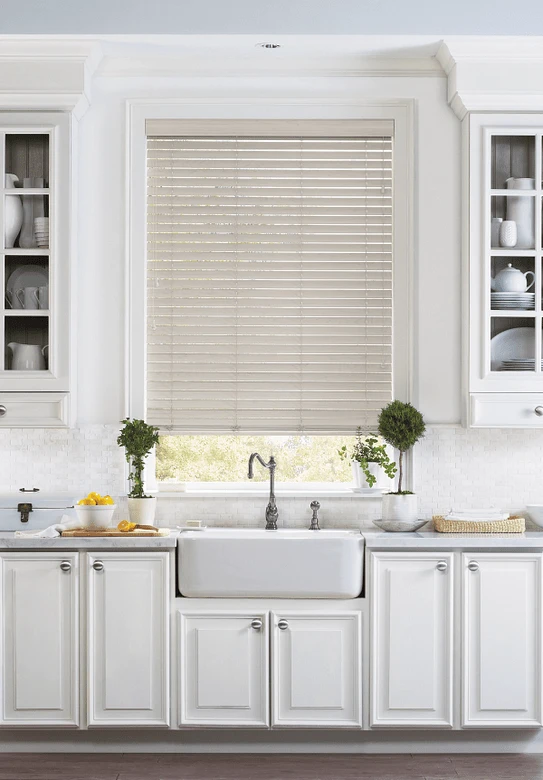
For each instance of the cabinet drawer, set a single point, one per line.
(34, 410)
(506, 410)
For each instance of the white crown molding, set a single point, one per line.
(197, 66)
(493, 74)
(47, 74)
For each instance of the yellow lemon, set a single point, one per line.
(126, 525)
(87, 502)
(108, 500)
(94, 496)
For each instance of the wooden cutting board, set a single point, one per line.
(113, 532)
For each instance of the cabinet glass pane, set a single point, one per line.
(512, 156)
(27, 156)
(26, 343)
(512, 283)
(512, 345)
(513, 220)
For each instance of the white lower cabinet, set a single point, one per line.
(317, 669)
(412, 639)
(40, 649)
(501, 667)
(223, 668)
(128, 638)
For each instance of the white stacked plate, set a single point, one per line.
(505, 300)
(519, 364)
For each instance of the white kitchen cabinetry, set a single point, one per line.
(37, 372)
(504, 346)
(40, 649)
(223, 668)
(317, 669)
(412, 639)
(128, 638)
(501, 639)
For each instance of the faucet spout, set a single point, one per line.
(271, 510)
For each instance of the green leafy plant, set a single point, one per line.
(366, 450)
(401, 425)
(138, 439)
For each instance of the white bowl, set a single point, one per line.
(95, 517)
(535, 511)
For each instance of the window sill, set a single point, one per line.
(264, 493)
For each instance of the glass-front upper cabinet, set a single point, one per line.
(35, 273)
(506, 273)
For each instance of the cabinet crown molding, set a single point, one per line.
(488, 73)
(52, 74)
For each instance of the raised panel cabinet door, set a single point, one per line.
(317, 669)
(223, 668)
(412, 639)
(128, 639)
(501, 640)
(40, 631)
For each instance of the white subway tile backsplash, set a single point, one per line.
(454, 467)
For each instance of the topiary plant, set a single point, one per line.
(138, 439)
(366, 450)
(401, 425)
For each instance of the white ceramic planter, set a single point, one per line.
(401, 508)
(142, 510)
(359, 478)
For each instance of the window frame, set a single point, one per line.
(137, 114)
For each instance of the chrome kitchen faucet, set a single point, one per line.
(271, 510)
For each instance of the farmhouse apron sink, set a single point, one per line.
(232, 563)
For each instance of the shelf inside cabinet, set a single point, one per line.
(26, 191)
(26, 312)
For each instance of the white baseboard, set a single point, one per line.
(238, 741)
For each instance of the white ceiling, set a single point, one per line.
(435, 18)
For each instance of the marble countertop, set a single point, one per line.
(8, 541)
(431, 540)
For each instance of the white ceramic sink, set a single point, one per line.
(232, 563)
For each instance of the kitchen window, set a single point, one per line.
(269, 312)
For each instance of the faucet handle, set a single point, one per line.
(314, 506)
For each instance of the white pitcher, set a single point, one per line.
(13, 216)
(27, 357)
(521, 210)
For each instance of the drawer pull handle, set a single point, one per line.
(98, 566)
(3, 410)
(473, 566)
(539, 411)
(442, 566)
(66, 566)
(282, 625)
(256, 624)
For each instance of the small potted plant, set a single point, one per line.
(370, 461)
(138, 439)
(401, 426)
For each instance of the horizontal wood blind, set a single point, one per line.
(269, 282)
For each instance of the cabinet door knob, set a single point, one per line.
(256, 624)
(282, 625)
(442, 566)
(3, 410)
(98, 566)
(473, 566)
(66, 566)
(539, 411)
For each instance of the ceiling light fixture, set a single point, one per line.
(268, 45)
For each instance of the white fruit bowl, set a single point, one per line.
(95, 517)
(536, 514)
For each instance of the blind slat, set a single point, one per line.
(269, 282)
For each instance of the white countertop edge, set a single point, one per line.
(432, 540)
(10, 542)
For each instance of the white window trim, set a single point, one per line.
(139, 111)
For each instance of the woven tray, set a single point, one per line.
(513, 525)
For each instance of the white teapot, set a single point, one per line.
(512, 280)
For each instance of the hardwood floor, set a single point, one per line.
(136, 766)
